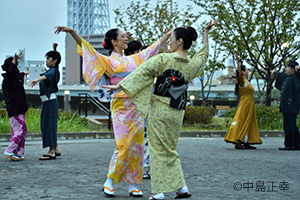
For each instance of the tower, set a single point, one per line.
(88, 16)
(90, 19)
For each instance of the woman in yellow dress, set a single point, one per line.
(243, 130)
(173, 71)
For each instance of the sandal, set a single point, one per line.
(136, 193)
(108, 192)
(152, 197)
(47, 157)
(183, 196)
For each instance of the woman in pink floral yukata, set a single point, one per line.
(127, 161)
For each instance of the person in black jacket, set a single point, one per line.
(16, 106)
(289, 85)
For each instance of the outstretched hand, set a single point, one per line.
(237, 57)
(63, 29)
(33, 83)
(211, 24)
(128, 34)
(168, 31)
(17, 57)
(111, 87)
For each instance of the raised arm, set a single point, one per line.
(165, 37)
(207, 28)
(165, 44)
(238, 64)
(76, 37)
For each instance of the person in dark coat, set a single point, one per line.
(16, 106)
(49, 113)
(289, 85)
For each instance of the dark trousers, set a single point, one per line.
(291, 130)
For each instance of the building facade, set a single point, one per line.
(90, 19)
(88, 16)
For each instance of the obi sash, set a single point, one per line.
(172, 84)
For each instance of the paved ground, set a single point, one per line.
(213, 170)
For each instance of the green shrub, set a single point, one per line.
(268, 118)
(198, 114)
(2, 104)
(67, 122)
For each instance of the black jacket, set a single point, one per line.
(13, 90)
(290, 96)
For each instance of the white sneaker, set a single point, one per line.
(16, 158)
(8, 155)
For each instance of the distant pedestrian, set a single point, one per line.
(16, 106)
(49, 113)
(289, 85)
(243, 130)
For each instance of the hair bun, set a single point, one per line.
(55, 46)
(191, 33)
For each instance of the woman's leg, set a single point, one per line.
(19, 131)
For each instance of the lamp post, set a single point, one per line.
(67, 98)
(192, 97)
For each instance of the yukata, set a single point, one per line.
(49, 112)
(164, 121)
(127, 160)
(244, 128)
(16, 106)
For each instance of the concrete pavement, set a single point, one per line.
(213, 169)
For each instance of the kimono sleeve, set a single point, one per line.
(50, 74)
(138, 85)
(94, 64)
(201, 58)
(147, 53)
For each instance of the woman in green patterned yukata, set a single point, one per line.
(173, 70)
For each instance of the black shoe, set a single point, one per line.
(249, 146)
(286, 148)
(239, 146)
(297, 147)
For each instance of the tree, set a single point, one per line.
(148, 21)
(262, 32)
(212, 65)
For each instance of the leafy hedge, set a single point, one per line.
(268, 118)
(67, 122)
(198, 114)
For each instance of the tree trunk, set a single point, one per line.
(269, 92)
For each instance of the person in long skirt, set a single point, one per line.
(173, 71)
(243, 131)
(127, 161)
(49, 114)
(16, 106)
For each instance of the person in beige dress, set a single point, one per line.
(168, 102)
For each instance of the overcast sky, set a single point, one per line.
(30, 24)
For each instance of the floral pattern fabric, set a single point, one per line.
(19, 131)
(127, 160)
(164, 122)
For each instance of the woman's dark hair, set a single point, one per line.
(109, 35)
(132, 47)
(55, 56)
(7, 63)
(188, 35)
(236, 89)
